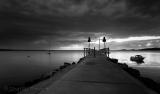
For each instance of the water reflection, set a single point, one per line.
(17, 67)
(20, 66)
(151, 58)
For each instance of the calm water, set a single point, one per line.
(151, 67)
(20, 66)
(152, 58)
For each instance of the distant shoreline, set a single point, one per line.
(35, 50)
(145, 49)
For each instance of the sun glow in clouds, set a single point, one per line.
(135, 39)
(95, 42)
(119, 40)
(129, 39)
(72, 47)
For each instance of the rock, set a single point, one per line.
(133, 72)
(80, 60)
(49, 74)
(56, 70)
(66, 64)
(62, 67)
(124, 66)
(114, 60)
(150, 83)
(53, 72)
(46, 76)
(73, 63)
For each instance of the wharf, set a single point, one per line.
(97, 75)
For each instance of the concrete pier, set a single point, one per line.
(97, 75)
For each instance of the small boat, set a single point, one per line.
(138, 59)
(49, 53)
(28, 56)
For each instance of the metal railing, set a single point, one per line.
(93, 52)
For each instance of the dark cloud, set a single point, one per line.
(82, 7)
(65, 7)
(33, 23)
(145, 7)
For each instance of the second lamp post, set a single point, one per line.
(104, 40)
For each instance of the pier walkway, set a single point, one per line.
(97, 76)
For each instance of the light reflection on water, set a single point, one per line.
(151, 66)
(20, 66)
(152, 59)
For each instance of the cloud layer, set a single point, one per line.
(34, 23)
(66, 7)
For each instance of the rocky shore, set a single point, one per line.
(136, 74)
(36, 85)
(39, 84)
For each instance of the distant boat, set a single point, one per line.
(28, 56)
(138, 59)
(49, 52)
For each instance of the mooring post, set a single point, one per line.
(108, 52)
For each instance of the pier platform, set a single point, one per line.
(97, 75)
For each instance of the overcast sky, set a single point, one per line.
(66, 24)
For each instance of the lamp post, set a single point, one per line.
(99, 44)
(89, 40)
(104, 40)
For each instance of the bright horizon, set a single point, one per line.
(112, 41)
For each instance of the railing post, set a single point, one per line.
(84, 52)
(94, 52)
(108, 52)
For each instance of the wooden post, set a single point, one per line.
(108, 52)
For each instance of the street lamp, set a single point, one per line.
(89, 40)
(104, 40)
